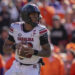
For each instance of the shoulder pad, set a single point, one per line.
(42, 29)
(15, 25)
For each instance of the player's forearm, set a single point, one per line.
(45, 52)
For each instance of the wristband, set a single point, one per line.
(35, 52)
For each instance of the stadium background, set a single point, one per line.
(59, 17)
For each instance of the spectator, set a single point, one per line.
(73, 16)
(72, 72)
(33, 1)
(53, 66)
(68, 62)
(58, 52)
(58, 33)
(1, 66)
(18, 5)
(0, 6)
(73, 36)
(4, 35)
(72, 1)
(68, 23)
(47, 12)
(4, 16)
(24, 1)
(64, 6)
(15, 11)
(54, 3)
(70, 46)
(9, 62)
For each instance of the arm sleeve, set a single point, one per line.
(11, 38)
(44, 39)
(44, 36)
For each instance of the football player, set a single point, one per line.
(31, 41)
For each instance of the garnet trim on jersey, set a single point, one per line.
(11, 29)
(43, 31)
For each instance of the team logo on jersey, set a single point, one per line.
(19, 34)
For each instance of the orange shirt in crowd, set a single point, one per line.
(1, 62)
(72, 1)
(72, 72)
(24, 1)
(47, 13)
(70, 46)
(53, 66)
(62, 15)
(1, 66)
(10, 62)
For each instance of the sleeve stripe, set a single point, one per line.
(43, 31)
(11, 30)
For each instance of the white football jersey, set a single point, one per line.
(30, 38)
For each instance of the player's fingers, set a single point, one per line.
(18, 46)
(27, 54)
(21, 57)
(27, 48)
(19, 49)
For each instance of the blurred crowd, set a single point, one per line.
(59, 17)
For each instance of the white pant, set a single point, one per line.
(18, 69)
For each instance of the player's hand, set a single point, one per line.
(18, 46)
(24, 51)
(20, 49)
(28, 51)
